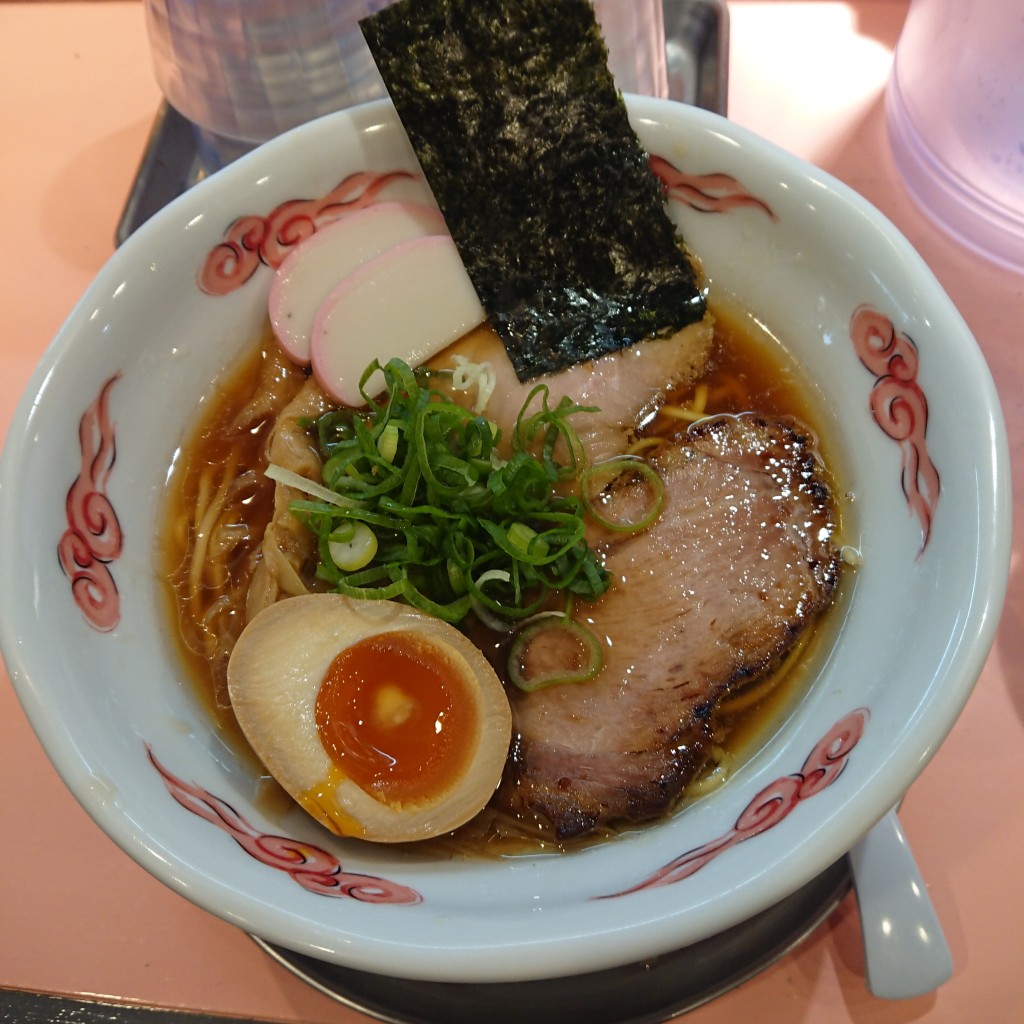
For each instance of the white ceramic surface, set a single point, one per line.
(905, 950)
(99, 681)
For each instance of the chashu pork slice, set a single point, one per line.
(626, 386)
(739, 564)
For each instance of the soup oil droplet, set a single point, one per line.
(395, 715)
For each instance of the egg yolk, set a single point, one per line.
(396, 716)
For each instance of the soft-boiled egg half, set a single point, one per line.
(381, 721)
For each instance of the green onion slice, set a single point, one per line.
(352, 546)
(629, 508)
(286, 476)
(552, 650)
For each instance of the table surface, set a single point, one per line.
(77, 98)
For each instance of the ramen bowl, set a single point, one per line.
(903, 398)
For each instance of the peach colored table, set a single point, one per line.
(78, 917)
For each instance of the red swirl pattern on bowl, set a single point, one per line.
(900, 407)
(707, 193)
(93, 538)
(256, 239)
(772, 804)
(312, 867)
(319, 871)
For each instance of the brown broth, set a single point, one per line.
(750, 371)
(215, 444)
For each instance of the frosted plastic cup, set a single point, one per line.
(243, 71)
(955, 115)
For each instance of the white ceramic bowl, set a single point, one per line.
(102, 687)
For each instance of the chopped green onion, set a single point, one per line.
(387, 442)
(525, 539)
(616, 510)
(493, 574)
(457, 526)
(286, 476)
(352, 546)
(567, 651)
(551, 426)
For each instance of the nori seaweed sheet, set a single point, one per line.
(525, 141)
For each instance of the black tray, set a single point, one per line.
(650, 992)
